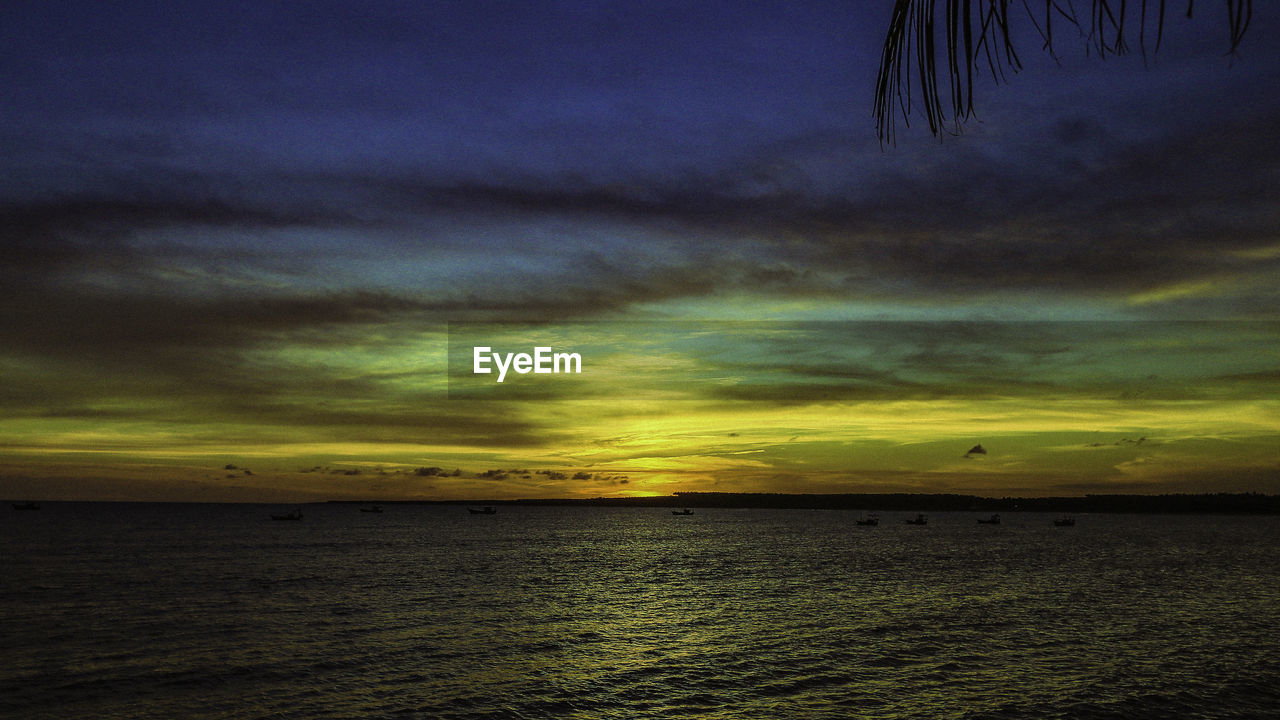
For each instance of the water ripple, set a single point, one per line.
(208, 612)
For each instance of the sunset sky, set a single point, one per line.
(247, 248)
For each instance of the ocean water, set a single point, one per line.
(215, 611)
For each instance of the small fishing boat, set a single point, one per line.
(685, 511)
(871, 520)
(26, 506)
(919, 519)
(482, 511)
(373, 509)
(1066, 521)
(993, 520)
(291, 515)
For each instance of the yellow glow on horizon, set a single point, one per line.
(1268, 252)
(1180, 291)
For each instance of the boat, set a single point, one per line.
(993, 520)
(291, 515)
(919, 519)
(1065, 521)
(482, 511)
(870, 520)
(26, 506)
(373, 509)
(685, 511)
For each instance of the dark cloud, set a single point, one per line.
(1147, 214)
(1077, 131)
(803, 363)
(107, 354)
(1150, 213)
(103, 218)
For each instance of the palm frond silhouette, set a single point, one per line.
(975, 36)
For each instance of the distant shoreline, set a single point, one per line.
(1207, 503)
(1174, 503)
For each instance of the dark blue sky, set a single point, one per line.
(625, 155)
(455, 89)
(506, 93)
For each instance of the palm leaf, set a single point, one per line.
(977, 36)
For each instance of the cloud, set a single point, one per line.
(1188, 208)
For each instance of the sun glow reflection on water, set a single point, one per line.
(426, 611)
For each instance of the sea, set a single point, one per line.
(151, 610)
